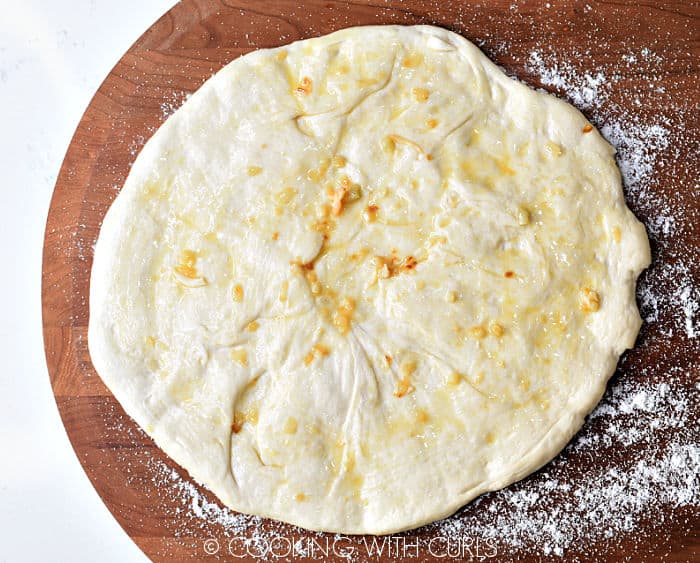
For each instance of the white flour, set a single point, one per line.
(640, 449)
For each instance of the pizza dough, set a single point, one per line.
(356, 281)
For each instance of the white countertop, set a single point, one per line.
(53, 56)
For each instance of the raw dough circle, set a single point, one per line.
(358, 280)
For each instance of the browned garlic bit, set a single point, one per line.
(312, 279)
(353, 191)
(318, 351)
(317, 174)
(304, 86)
(589, 300)
(337, 197)
(370, 213)
(404, 386)
(238, 293)
(387, 267)
(347, 193)
(454, 378)
(186, 266)
(285, 196)
(238, 422)
(242, 417)
(382, 267)
(523, 216)
(413, 60)
(324, 226)
(420, 94)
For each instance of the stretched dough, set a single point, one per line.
(356, 281)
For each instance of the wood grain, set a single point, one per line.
(173, 58)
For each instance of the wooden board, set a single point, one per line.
(174, 57)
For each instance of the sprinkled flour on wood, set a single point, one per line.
(640, 449)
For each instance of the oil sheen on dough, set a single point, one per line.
(356, 281)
